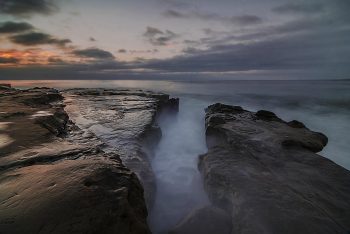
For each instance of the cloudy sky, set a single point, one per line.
(160, 39)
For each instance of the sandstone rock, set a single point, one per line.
(264, 172)
(58, 178)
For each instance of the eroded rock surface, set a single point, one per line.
(59, 177)
(126, 122)
(265, 173)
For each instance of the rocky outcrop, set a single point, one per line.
(125, 121)
(265, 173)
(5, 86)
(60, 177)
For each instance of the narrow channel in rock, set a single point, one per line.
(179, 184)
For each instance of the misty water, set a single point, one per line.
(322, 106)
(179, 186)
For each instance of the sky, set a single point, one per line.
(174, 39)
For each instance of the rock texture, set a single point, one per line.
(125, 121)
(265, 173)
(56, 177)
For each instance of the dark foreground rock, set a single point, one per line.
(265, 173)
(58, 178)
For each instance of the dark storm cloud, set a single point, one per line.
(299, 8)
(37, 38)
(241, 20)
(27, 7)
(14, 27)
(8, 60)
(158, 37)
(94, 53)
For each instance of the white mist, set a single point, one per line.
(179, 183)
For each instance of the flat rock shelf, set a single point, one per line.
(60, 177)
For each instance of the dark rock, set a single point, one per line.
(55, 123)
(266, 175)
(13, 115)
(173, 104)
(314, 144)
(40, 97)
(206, 220)
(267, 115)
(222, 108)
(296, 124)
(216, 119)
(170, 106)
(5, 86)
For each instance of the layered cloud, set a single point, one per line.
(14, 27)
(308, 37)
(242, 20)
(37, 38)
(27, 7)
(158, 37)
(299, 8)
(94, 53)
(8, 60)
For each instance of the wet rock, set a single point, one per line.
(58, 178)
(5, 86)
(222, 108)
(267, 115)
(125, 120)
(14, 114)
(55, 123)
(296, 124)
(264, 172)
(34, 100)
(206, 220)
(171, 105)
